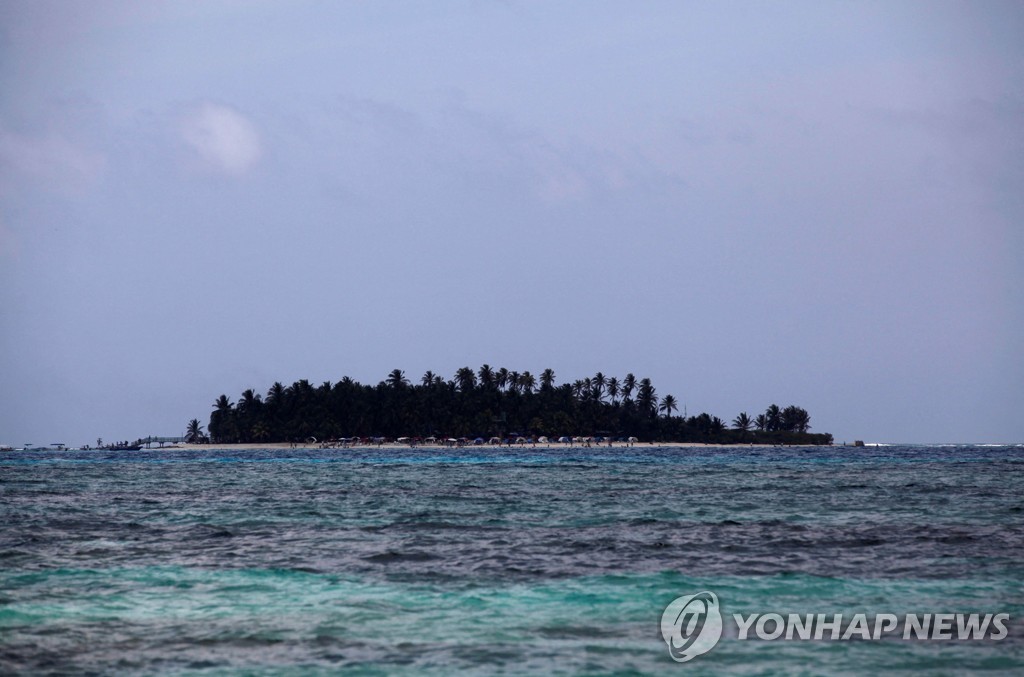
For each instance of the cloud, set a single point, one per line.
(223, 138)
(50, 160)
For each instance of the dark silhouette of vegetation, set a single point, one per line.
(194, 432)
(487, 403)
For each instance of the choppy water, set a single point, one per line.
(534, 561)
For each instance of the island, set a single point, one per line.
(492, 405)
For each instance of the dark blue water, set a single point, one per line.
(402, 561)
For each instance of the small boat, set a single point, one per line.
(122, 447)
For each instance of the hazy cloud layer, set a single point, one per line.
(223, 138)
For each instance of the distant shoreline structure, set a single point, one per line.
(549, 446)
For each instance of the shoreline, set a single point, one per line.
(252, 446)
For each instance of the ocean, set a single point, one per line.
(497, 561)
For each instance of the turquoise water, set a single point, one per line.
(486, 562)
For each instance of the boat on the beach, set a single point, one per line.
(122, 447)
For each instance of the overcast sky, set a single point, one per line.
(814, 203)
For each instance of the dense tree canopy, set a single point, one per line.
(486, 403)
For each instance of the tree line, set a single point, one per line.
(487, 403)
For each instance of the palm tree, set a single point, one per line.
(193, 434)
(597, 384)
(795, 419)
(668, 405)
(300, 390)
(222, 428)
(247, 411)
(250, 400)
(527, 382)
(613, 388)
(501, 378)
(486, 375)
(275, 396)
(628, 385)
(547, 379)
(742, 422)
(466, 379)
(773, 416)
(761, 422)
(578, 388)
(428, 378)
(646, 397)
(588, 389)
(396, 379)
(513, 381)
